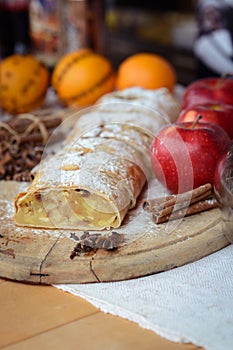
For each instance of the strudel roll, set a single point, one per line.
(86, 186)
(148, 109)
(94, 179)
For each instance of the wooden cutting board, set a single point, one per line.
(45, 256)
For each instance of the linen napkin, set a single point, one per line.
(192, 303)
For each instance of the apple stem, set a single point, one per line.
(196, 121)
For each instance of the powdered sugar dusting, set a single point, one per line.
(87, 121)
(115, 172)
(159, 102)
(148, 109)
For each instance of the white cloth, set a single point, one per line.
(192, 303)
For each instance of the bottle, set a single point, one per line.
(14, 27)
(61, 26)
(83, 25)
(75, 25)
(46, 30)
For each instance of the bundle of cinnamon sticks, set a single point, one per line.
(181, 205)
(22, 140)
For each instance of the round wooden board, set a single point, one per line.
(43, 256)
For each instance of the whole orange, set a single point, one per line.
(81, 77)
(23, 83)
(146, 70)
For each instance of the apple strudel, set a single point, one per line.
(97, 176)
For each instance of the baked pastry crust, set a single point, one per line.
(95, 179)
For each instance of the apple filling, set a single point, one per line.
(67, 208)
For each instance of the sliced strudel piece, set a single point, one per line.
(85, 188)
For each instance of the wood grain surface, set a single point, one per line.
(43, 317)
(43, 256)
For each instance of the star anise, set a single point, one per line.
(91, 242)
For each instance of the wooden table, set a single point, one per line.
(43, 317)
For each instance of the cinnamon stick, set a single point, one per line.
(35, 137)
(21, 124)
(182, 199)
(28, 127)
(182, 204)
(151, 204)
(185, 204)
(195, 208)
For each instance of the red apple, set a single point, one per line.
(220, 114)
(209, 90)
(184, 156)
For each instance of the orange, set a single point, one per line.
(23, 83)
(146, 70)
(83, 76)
